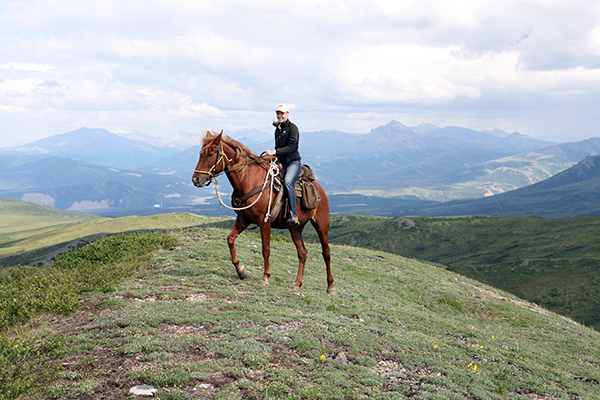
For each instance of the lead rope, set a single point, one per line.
(272, 173)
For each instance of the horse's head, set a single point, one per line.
(212, 159)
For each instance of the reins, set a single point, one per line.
(272, 172)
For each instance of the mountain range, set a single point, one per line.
(390, 168)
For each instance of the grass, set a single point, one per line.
(552, 262)
(31, 234)
(398, 329)
(27, 293)
(20, 221)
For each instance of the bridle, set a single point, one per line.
(272, 172)
(221, 157)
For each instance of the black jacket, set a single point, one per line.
(287, 138)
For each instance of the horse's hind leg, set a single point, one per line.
(238, 228)
(299, 243)
(322, 228)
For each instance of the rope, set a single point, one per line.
(271, 173)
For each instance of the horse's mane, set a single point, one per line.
(244, 155)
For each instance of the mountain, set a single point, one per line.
(188, 328)
(394, 146)
(426, 127)
(95, 146)
(180, 140)
(75, 185)
(251, 135)
(551, 262)
(571, 193)
(458, 175)
(425, 162)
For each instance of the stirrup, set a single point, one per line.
(292, 221)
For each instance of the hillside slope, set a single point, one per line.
(552, 262)
(397, 329)
(571, 193)
(32, 234)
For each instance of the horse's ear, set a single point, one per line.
(217, 140)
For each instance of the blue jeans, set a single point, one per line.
(292, 170)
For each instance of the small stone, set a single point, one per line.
(340, 358)
(205, 386)
(143, 390)
(196, 298)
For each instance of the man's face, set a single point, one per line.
(282, 117)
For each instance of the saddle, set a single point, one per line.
(306, 191)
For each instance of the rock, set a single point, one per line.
(143, 390)
(196, 298)
(340, 358)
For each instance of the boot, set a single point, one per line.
(292, 221)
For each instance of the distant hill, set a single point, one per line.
(453, 176)
(95, 146)
(571, 193)
(381, 155)
(419, 163)
(77, 186)
(31, 234)
(343, 161)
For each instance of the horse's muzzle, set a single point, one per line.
(200, 180)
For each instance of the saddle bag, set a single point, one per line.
(309, 195)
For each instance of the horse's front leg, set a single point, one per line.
(297, 238)
(265, 235)
(238, 228)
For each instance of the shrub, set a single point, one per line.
(26, 292)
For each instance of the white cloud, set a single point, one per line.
(161, 66)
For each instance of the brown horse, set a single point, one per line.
(248, 173)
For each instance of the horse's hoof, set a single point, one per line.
(332, 292)
(295, 288)
(264, 283)
(243, 273)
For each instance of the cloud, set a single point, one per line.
(160, 66)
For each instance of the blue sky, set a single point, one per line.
(159, 67)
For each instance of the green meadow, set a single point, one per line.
(167, 310)
(30, 233)
(552, 262)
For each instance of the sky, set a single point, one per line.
(159, 67)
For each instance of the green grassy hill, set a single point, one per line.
(552, 262)
(398, 329)
(30, 233)
(21, 222)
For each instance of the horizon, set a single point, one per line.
(241, 133)
(526, 66)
